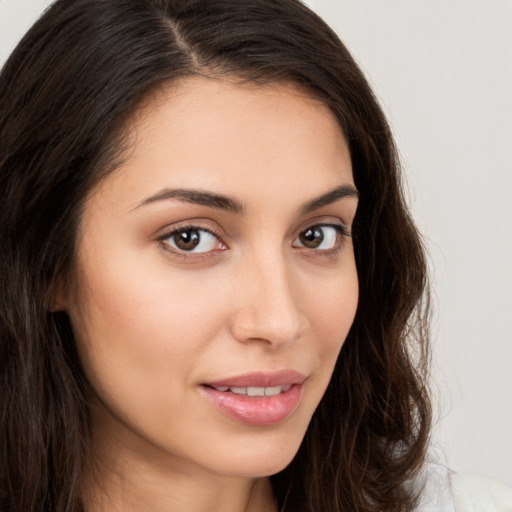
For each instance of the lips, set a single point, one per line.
(257, 399)
(261, 379)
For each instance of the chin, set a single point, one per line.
(260, 459)
(262, 466)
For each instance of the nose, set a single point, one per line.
(267, 306)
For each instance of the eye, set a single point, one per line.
(192, 239)
(321, 237)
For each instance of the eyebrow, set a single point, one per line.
(230, 204)
(203, 198)
(330, 197)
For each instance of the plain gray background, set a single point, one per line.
(443, 72)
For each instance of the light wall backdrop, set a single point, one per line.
(443, 72)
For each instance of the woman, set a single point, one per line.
(214, 297)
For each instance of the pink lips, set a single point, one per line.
(257, 410)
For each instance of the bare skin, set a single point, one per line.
(269, 285)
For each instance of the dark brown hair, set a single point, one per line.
(64, 94)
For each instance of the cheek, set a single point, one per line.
(333, 306)
(331, 311)
(138, 319)
(141, 337)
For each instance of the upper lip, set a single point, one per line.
(261, 379)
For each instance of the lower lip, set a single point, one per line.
(256, 410)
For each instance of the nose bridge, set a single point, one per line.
(268, 309)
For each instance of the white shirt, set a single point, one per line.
(446, 491)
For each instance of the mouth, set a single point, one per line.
(254, 391)
(257, 399)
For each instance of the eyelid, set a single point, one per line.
(343, 228)
(190, 255)
(202, 224)
(343, 232)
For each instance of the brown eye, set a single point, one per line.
(187, 240)
(311, 237)
(192, 239)
(320, 237)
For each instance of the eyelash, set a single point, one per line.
(189, 255)
(342, 231)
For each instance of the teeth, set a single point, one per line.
(273, 391)
(253, 391)
(256, 391)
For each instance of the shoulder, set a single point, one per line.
(443, 490)
(476, 493)
(433, 488)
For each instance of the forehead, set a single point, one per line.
(208, 133)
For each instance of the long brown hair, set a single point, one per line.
(64, 93)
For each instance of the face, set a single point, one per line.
(215, 278)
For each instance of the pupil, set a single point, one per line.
(187, 240)
(312, 237)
